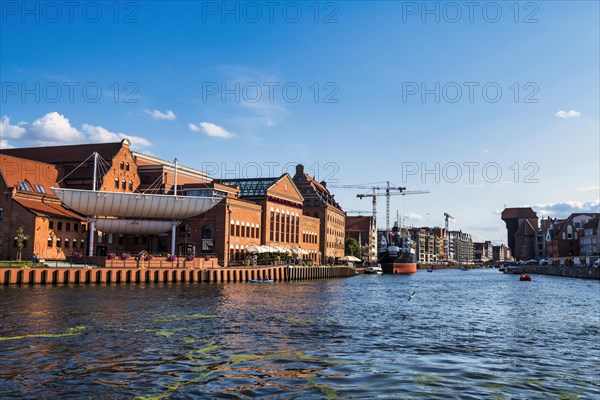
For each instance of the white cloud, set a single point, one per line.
(102, 135)
(4, 144)
(568, 114)
(54, 128)
(211, 129)
(8, 131)
(156, 114)
(413, 217)
(588, 188)
(564, 208)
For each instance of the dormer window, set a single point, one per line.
(25, 186)
(39, 188)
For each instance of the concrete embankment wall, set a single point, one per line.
(31, 276)
(557, 270)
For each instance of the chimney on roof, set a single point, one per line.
(299, 169)
(324, 184)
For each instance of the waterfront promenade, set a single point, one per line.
(78, 275)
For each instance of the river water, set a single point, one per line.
(464, 334)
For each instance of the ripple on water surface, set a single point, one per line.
(465, 334)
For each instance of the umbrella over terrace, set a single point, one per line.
(350, 258)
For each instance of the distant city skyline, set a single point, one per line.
(485, 107)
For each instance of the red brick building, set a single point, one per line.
(283, 222)
(563, 236)
(250, 213)
(27, 201)
(320, 203)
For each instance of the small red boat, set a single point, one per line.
(525, 277)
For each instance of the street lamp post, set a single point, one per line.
(187, 232)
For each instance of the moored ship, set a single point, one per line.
(396, 252)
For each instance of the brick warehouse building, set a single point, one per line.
(238, 221)
(283, 222)
(320, 203)
(26, 200)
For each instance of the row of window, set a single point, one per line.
(67, 243)
(284, 227)
(124, 166)
(110, 239)
(309, 238)
(335, 245)
(335, 232)
(315, 203)
(124, 184)
(25, 187)
(244, 230)
(67, 225)
(335, 220)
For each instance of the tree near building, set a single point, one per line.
(20, 241)
(352, 247)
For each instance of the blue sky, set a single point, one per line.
(358, 92)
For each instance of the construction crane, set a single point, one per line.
(447, 217)
(359, 212)
(387, 193)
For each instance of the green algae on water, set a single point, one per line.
(70, 332)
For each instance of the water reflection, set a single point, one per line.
(481, 334)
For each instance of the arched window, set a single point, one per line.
(127, 167)
(316, 203)
(67, 243)
(299, 179)
(130, 185)
(122, 165)
(116, 183)
(277, 225)
(185, 231)
(58, 244)
(307, 191)
(50, 242)
(123, 184)
(207, 232)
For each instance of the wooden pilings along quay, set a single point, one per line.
(31, 276)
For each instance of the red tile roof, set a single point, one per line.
(518, 212)
(322, 191)
(48, 208)
(358, 224)
(65, 154)
(14, 170)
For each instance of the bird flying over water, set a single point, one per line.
(410, 296)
